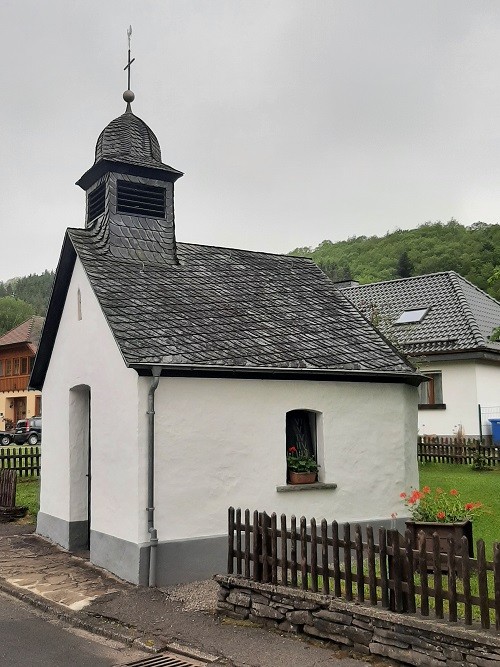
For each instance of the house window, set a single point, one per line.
(1, 368)
(413, 315)
(430, 393)
(15, 367)
(8, 367)
(24, 366)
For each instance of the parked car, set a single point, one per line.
(28, 430)
(5, 438)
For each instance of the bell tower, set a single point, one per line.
(130, 191)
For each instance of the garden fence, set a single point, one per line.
(435, 449)
(26, 460)
(388, 572)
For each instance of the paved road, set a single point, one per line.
(29, 638)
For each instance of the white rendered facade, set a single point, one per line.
(218, 443)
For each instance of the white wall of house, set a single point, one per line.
(488, 392)
(85, 353)
(460, 394)
(221, 442)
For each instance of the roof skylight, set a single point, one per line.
(412, 316)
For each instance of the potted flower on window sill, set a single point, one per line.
(302, 467)
(441, 512)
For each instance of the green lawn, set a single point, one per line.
(473, 486)
(28, 493)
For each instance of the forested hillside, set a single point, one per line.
(473, 252)
(20, 298)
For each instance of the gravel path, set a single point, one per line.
(196, 596)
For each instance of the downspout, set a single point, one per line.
(153, 535)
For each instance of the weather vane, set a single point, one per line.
(127, 66)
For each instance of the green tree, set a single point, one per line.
(405, 266)
(13, 312)
(473, 252)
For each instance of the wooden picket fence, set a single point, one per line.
(26, 460)
(435, 449)
(389, 572)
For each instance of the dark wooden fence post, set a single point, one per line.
(230, 540)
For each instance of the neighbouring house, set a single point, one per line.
(17, 353)
(176, 377)
(443, 323)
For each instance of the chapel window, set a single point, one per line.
(301, 440)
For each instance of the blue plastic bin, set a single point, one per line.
(495, 431)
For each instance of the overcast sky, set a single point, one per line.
(294, 121)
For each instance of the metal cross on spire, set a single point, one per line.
(127, 66)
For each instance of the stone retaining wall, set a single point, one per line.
(406, 638)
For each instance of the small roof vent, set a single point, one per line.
(95, 202)
(140, 199)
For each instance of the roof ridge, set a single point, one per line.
(471, 320)
(478, 289)
(254, 252)
(396, 280)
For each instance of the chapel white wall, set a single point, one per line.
(221, 442)
(85, 353)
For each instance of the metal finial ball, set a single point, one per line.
(128, 96)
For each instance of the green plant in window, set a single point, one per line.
(300, 460)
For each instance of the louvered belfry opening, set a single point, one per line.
(96, 202)
(140, 199)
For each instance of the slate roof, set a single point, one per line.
(128, 138)
(230, 308)
(461, 316)
(27, 332)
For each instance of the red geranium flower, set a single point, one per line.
(440, 515)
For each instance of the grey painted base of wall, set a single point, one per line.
(178, 561)
(182, 561)
(71, 535)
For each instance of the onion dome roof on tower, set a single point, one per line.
(128, 138)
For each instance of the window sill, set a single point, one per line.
(432, 406)
(317, 486)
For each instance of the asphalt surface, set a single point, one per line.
(75, 592)
(28, 637)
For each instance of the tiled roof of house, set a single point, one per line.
(27, 332)
(460, 318)
(226, 307)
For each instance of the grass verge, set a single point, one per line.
(28, 494)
